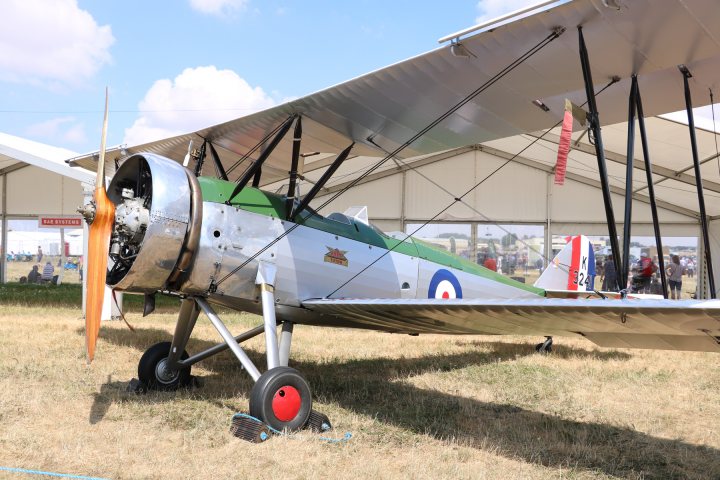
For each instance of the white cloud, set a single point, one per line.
(197, 98)
(490, 9)
(61, 129)
(52, 42)
(218, 7)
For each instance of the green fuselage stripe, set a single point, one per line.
(273, 205)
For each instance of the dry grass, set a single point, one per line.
(427, 407)
(15, 270)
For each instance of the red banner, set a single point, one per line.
(563, 148)
(60, 222)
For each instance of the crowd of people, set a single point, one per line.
(45, 273)
(645, 276)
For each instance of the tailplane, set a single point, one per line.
(572, 269)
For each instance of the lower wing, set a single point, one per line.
(657, 324)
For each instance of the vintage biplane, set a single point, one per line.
(219, 239)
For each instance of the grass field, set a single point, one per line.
(418, 407)
(15, 270)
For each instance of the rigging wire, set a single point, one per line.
(510, 67)
(257, 145)
(460, 200)
(715, 134)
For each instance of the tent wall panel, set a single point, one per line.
(33, 191)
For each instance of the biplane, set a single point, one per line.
(162, 226)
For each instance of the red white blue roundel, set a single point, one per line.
(444, 285)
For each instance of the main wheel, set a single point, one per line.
(281, 398)
(154, 372)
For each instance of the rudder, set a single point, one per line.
(573, 268)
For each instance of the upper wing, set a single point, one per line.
(659, 324)
(645, 37)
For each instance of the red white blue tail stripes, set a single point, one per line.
(571, 269)
(581, 276)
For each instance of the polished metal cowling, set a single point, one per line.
(158, 207)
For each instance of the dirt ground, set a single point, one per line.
(417, 407)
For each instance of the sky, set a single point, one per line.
(174, 67)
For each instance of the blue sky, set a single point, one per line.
(177, 66)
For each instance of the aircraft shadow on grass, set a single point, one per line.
(367, 387)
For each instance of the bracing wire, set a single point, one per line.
(501, 74)
(256, 147)
(715, 134)
(460, 200)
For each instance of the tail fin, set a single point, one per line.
(571, 269)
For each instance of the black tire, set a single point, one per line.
(153, 378)
(274, 395)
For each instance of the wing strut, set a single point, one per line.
(297, 136)
(627, 219)
(594, 121)
(200, 158)
(651, 187)
(255, 167)
(323, 180)
(219, 170)
(698, 180)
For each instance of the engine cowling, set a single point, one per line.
(157, 222)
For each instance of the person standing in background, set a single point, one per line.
(39, 254)
(609, 282)
(675, 272)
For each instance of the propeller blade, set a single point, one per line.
(98, 246)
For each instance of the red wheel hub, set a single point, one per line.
(286, 403)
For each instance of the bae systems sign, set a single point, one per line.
(60, 222)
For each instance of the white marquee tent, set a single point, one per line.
(520, 192)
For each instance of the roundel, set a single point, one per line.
(444, 285)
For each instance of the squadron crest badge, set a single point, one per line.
(336, 256)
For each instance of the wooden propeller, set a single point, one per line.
(98, 248)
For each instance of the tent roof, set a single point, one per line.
(669, 147)
(16, 152)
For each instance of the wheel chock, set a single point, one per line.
(318, 422)
(249, 429)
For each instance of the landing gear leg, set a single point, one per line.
(285, 341)
(189, 312)
(158, 368)
(544, 347)
(281, 396)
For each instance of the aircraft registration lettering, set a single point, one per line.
(582, 265)
(444, 285)
(336, 256)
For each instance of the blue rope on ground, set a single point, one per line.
(48, 474)
(344, 438)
